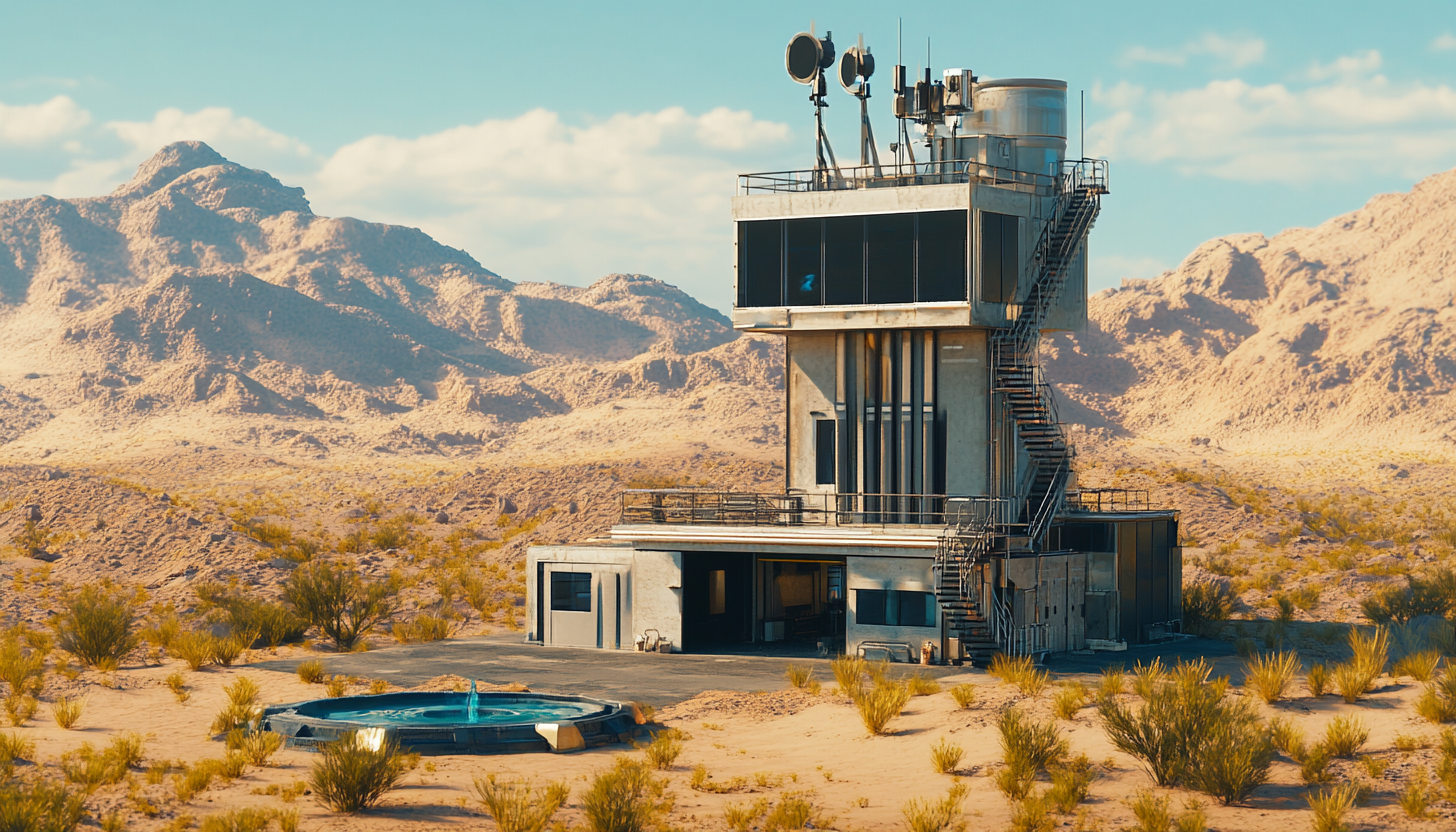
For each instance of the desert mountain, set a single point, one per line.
(1337, 334)
(202, 295)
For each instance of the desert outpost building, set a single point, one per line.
(930, 499)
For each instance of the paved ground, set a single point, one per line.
(666, 679)
(647, 677)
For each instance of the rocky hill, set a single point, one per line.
(1339, 335)
(206, 300)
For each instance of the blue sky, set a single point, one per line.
(558, 141)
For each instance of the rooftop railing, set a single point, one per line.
(1075, 173)
(1109, 499)
(689, 506)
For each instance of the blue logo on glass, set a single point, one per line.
(807, 284)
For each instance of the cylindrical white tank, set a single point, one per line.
(1033, 111)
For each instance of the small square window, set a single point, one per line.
(571, 591)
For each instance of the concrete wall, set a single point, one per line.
(912, 574)
(608, 623)
(963, 392)
(657, 595)
(812, 364)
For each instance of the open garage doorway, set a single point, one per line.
(803, 603)
(717, 593)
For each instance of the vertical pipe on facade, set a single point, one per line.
(887, 417)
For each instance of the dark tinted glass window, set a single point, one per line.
(760, 270)
(915, 609)
(1000, 257)
(869, 606)
(1087, 537)
(891, 258)
(804, 285)
(571, 591)
(941, 243)
(844, 260)
(824, 451)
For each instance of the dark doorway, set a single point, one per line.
(717, 599)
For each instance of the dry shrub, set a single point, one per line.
(40, 805)
(227, 649)
(945, 756)
(799, 675)
(1032, 814)
(881, 704)
(1271, 674)
(1021, 672)
(423, 629)
(193, 647)
(625, 798)
(339, 602)
(795, 810)
(242, 708)
(1206, 606)
(1317, 680)
(1069, 699)
(1314, 765)
(1027, 747)
(1147, 677)
(97, 625)
(336, 686)
(1369, 654)
(1153, 812)
(22, 666)
(849, 673)
(1437, 703)
(1189, 732)
(1345, 735)
(1420, 665)
(664, 749)
(740, 817)
(1415, 798)
(1071, 781)
(920, 684)
(1330, 807)
(964, 695)
(1287, 737)
(357, 769)
(20, 708)
(517, 807)
(14, 747)
(246, 819)
(311, 671)
(260, 746)
(91, 768)
(67, 711)
(253, 621)
(925, 815)
(1113, 682)
(178, 685)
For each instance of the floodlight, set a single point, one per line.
(802, 57)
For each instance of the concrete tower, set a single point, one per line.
(930, 502)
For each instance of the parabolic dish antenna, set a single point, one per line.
(855, 64)
(806, 55)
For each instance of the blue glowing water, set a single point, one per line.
(451, 709)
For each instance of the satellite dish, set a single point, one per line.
(803, 57)
(856, 64)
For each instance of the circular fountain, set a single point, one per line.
(444, 722)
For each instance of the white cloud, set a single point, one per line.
(1444, 43)
(1346, 66)
(538, 199)
(33, 124)
(1236, 52)
(227, 133)
(1348, 123)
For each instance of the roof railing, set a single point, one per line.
(1074, 174)
(691, 506)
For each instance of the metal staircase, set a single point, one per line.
(984, 624)
(1016, 374)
